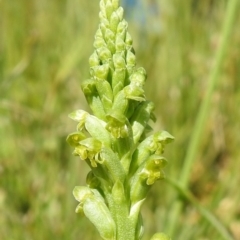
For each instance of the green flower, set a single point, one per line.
(89, 149)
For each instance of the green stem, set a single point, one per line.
(205, 107)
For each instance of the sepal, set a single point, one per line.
(73, 139)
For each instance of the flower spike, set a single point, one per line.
(124, 161)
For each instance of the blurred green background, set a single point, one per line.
(44, 50)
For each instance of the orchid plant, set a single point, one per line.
(125, 160)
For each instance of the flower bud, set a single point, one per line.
(120, 105)
(94, 60)
(138, 77)
(115, 4)
(98, 33)
(120, 44)
(131, 59)
(102, 8)
(160, 236)
(120, 12)
(109, 9)
(103, 29)
(118, 61)
(109, 34)
(122, 29)
(100, 72)
(98, 43)
(134, 92)
(118, 80)
(111, 46)
(114, 21)
(128, 39)
(104, 54)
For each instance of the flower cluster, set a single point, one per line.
(113, 140)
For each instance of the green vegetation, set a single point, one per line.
(44, 49)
